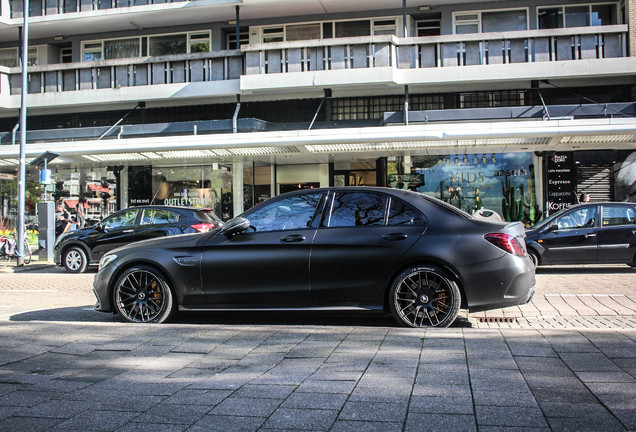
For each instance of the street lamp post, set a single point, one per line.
(23, 118)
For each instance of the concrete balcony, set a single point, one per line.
(58, 7)
(376, 63)
(433, 61)
(121, 80)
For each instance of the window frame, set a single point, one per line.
(373, 28)
(562, 7)
(479, 20)
(627, 209)
(144, 43)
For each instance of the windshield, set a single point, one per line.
(549, 219)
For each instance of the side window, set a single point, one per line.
(290, 213)
(401, 213)
(126, 218)
(158, 216)
(618, 215)
(357, 209)
(580, 218)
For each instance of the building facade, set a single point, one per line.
(513, 106)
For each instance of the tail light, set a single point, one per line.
(506, 242)
(203, 227)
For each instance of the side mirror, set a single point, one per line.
(235, 226)
(553, 228)
(102, 227)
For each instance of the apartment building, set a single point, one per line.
(512, 106)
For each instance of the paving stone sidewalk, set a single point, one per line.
(117, 377)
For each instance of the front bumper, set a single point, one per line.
(101, 288)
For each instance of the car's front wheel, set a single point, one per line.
(142, 295)
(74, 259)
(534, 257)
(424, 296)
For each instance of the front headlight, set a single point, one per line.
(106, 259)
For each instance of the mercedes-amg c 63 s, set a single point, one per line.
(345, 248)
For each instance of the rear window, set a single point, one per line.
(445, 205)
(207, 215)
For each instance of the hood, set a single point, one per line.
(169, 242)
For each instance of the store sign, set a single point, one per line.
(139, 185)
(4, 176)
(406, 181)
(561, 182)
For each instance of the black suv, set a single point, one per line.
(76, 249)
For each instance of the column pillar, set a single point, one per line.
(237, 188)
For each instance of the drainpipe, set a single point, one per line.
(406, 105)
(236, 113)
(238, 29)
(404, 29)
(13, 132)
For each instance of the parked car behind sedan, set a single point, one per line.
(591, 233)
(75, 250)
(352, 248)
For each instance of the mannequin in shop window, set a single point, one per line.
(160, 189)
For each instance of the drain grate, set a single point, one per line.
(497, 320)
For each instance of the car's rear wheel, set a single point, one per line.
(74, 259)
(424, 296)
(142, 295)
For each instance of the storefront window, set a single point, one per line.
(504, 182)
(97, 187)
(207, 186)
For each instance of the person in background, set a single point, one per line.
(63, 221)
(584, 198)
(80, 213)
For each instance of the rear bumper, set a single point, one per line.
(506, 281)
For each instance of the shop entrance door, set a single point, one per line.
(354, 178)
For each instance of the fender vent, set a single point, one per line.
(497, 320)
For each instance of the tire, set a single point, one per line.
(74, 259)
(142, 295)
(424, 296)
(534, 257)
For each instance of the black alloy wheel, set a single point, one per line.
(423, 296)
(142, 295)
(74, 259)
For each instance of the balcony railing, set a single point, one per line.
(437, 51)
(385, 51)
(113, 74)
(55, 7)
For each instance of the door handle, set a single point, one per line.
(128, 231)
(590, 235)
(293, 238)
(394, 236)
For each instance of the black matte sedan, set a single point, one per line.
(591, 233)
(353, 248)
(75, 250)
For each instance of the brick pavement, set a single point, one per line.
(565, 362)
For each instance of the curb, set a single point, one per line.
(26, 268)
